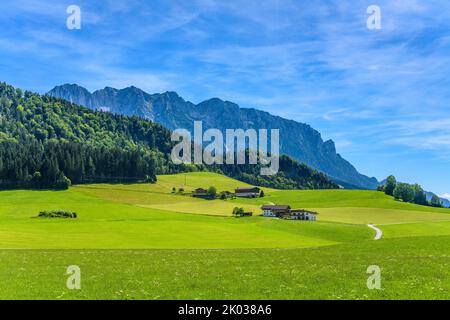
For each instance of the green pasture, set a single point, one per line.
(415, 268)
(143, 241)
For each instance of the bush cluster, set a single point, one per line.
(58, 214)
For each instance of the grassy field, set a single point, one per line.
(143, 241)
(415, 268)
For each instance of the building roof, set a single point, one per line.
(200, 190)
(302, 211)
(245, 190)
(275, 207)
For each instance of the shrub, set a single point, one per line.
(150, 179)
(63, 183)
(238, 212)
(212, 191)
(58, 214)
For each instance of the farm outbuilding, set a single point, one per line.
(247, 192)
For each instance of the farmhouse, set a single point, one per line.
(247, 192)
(275, 211)
(285, 212)
(200, 193)
(300, 215)
(226, 195)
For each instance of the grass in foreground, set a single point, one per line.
(412, 268)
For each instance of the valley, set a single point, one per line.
(143, 241)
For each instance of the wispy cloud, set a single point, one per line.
(384, 92)
(445, 196)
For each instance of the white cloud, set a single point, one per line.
(445, 196)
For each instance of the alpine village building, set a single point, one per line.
(285, 212)
(247, 192)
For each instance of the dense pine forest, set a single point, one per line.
(51, 143)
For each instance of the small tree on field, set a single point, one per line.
(238, 212)
(63, 183)
(261, 194)
(212, 191)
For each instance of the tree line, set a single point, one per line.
(57, 164)
(412, 193)
(51, 143)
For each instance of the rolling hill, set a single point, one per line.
(152, 240)
(143, 241)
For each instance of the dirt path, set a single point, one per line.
(378, 231)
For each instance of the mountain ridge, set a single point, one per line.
(169, 109)
(48, 142)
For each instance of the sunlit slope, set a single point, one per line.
(347, 206)
(343, 198)
(107, 224)
(152, 216)
(418, 229)
(160, 196)
(353, 206)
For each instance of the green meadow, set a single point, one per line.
(143, 241)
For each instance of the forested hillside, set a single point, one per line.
(297, 140)
(47, 142)
(44, 140)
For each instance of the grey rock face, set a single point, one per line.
(297, 139)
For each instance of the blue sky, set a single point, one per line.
(381, 95)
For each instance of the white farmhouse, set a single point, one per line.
(285, 212)
(247, 192)
(301, 215)
(275, 211)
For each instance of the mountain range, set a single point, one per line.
(445, 202)
(48, 142)
(297, 140)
